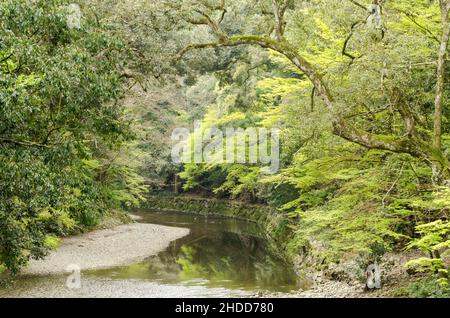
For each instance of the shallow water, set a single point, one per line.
(219, 258)
(218, 252)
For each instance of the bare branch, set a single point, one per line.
(411, 17)
(24, 143)
(207, 20)
(6, 58)
(224, 11)
(278, 12)
(313, 94)
(358, 4)
(347, 40)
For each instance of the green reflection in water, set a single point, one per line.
(217, 253)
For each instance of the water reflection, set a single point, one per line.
(217, 253)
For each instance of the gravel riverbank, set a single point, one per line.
(92, 287)
(118, 246)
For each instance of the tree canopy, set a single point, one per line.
(359, 90)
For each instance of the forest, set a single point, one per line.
(359, 91)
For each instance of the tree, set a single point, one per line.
(438, 167)
(62, 128)
(212, 15)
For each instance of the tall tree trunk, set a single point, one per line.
(175, 184)
(438, 167)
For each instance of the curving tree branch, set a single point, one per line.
(409, 144)
(347, 40)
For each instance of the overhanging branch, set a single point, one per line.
(341, 127)
(24, 143)
(409, 144)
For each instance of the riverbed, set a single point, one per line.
(217, 258)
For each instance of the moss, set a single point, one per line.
(204, 206)
(275, 224)
(114, 218)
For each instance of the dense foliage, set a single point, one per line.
(61, 128)
(358, 89)
(360, 93)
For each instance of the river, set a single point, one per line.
(219, 258)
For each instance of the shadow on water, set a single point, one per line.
(218, 252)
